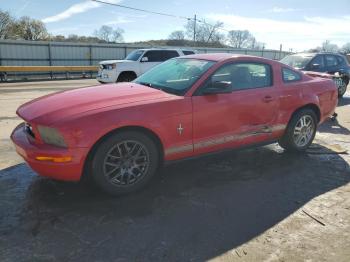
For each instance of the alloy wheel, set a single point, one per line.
(303, 131)
(126, 163)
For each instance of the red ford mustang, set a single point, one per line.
(119, 134)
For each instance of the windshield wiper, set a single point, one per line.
(146, 84)
(164, 89)
(150, 85)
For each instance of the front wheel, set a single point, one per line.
(125, 162)
(300, 131)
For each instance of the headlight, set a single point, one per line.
(51, 136)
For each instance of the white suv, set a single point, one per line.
(135, 64)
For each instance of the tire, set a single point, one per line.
(124, 162)
(290, 140)
(126, 77)
(342, 89)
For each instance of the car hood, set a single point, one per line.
(108, 62)
(57, 106)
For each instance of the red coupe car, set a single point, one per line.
(119, 134)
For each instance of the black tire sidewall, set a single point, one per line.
(102, 149)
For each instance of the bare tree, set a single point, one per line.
(241, 39)
(117, 35)
(346, 48)
(30, 29)
(177, 35)
(205, 32)
(106, 33)
(6, 23)
(327, 46)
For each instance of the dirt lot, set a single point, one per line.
(250, 205)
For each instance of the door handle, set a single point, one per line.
(267, 99)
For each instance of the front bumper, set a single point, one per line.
(29, 149)
(105, 76)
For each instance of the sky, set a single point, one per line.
(296, 24)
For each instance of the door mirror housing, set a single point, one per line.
(218, 87)
(144, 59)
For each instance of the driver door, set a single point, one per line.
(242, 116)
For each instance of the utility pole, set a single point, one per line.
(194, 30)
(280, 52)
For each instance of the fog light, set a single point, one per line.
(54, 159)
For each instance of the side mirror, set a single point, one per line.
(218, 87)
(315, 66)
(144, 59)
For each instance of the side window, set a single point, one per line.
(187, 52)
(167, 54)
(318, 60)
(331, 60)
(153, 56)
(244, 75)
(341, 60)
(289, 75)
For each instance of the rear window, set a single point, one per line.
(290, 75)
(188, 52)
(297, 61)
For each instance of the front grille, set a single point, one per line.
(28, 129)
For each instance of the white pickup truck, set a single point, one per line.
(135, 64)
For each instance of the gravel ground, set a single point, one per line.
(251, 205)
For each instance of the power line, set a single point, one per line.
(159, 13)
(143, 10)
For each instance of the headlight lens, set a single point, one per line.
(111, 66)
(51, 136)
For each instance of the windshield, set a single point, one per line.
(296, 61)
(134, 55)
(176, 75)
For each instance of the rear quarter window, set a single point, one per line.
(169, 54)
(289, 75)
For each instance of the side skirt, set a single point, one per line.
(220, 152)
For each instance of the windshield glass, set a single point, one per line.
(134, 55)
(296, 61)
(176, 75)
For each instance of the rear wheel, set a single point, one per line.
(125, 162)
(300, 131)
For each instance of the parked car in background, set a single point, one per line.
(135, 64)
(331, 63)
(119, 134)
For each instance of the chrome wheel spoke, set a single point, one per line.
(303, 131)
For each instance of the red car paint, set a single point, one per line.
(207, 123)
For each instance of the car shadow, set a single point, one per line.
(194, 210)
(334, 127)
(344, 101)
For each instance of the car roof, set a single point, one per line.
(164, 49)
(216, 57)
(318, 53)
